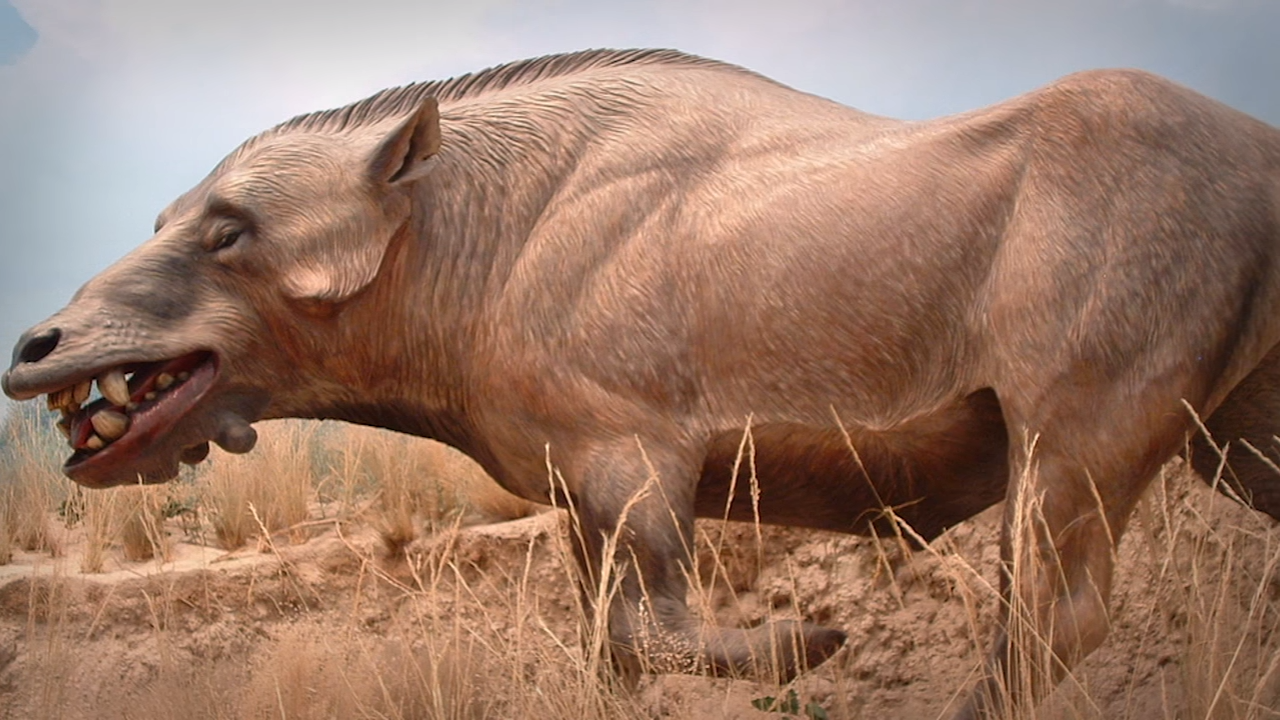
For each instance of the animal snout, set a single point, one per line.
(35, 346)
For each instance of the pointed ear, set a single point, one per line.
(399, 156)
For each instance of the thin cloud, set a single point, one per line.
(16, 36)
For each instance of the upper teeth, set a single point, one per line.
(114, 387)
(112, 422)
(62, 399)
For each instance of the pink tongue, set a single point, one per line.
(81, 429)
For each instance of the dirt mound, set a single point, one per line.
(485, 622)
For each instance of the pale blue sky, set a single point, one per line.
(111, 108)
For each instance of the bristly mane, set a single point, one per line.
(398, 101)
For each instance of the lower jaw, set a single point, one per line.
(225, 418)
(152, 430)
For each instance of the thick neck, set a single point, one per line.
(416, 328)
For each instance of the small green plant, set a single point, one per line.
(72, 509)
(789, 706)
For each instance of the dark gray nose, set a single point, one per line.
(35, 346)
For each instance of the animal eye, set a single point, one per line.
(226, 240)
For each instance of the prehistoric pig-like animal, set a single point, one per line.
(615, 263)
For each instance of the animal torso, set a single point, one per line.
(719, 253)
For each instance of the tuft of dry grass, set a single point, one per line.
(488, 651)
(1228, 610)
(417, 486)
(353, 677)
(408, 501)
(405, 486)
(131, 517)
(342, 483)
(30, 482)
(1224, 611)
(142, 533)
(102, 527)
(276, 479)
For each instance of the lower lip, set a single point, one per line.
(148, 424)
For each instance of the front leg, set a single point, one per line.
(634, 540)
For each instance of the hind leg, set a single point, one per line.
(1249, 414)
(1072, 489)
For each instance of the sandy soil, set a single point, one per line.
(1197, 600)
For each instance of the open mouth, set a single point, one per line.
(140, 403)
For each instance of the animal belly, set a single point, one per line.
(932, 472)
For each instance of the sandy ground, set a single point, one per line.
(1197, 601)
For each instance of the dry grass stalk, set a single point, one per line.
(6, 532)
(343, 481)
(129, 517)
(51, 645)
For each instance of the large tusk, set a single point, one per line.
(114, 387)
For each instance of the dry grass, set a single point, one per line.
(468, 645)
(405, 486)
(417, 486)
(129, 518)
(1226, 611)
(305, 675)
(1231, 609)
(49, 611)
(7, 533)
(30, 484)
(141, 522)
(275, 481)
(471, 636)
(102, 528)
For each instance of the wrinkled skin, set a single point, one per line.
(612, 265)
